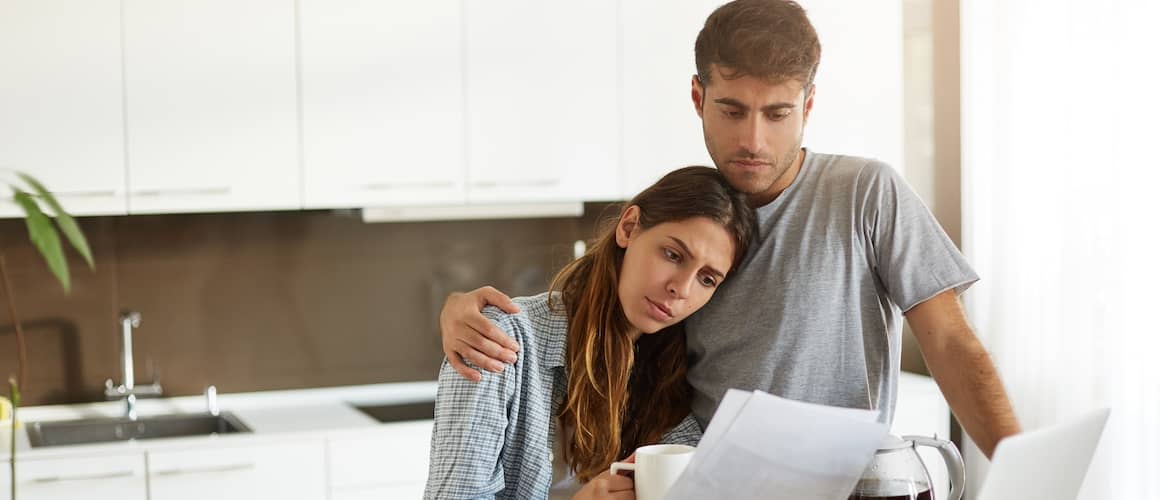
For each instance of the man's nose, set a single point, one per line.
(752, 136)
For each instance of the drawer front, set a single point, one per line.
(285, 471)
(399, 491)
(106, 476)
(392, 454)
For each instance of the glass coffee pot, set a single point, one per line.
(897, 472)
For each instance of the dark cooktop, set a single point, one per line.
(400, 412)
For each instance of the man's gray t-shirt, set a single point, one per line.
(814, 311)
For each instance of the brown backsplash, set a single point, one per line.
(263, 301)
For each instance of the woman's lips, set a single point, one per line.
(658, 311)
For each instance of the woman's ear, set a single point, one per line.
(627, 225)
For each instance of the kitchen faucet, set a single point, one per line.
(128, 390)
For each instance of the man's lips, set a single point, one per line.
(749, 163)
(659, 311)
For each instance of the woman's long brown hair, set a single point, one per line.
(621, 398)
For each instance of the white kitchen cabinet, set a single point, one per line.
(211, 107)
(661, 129)
(61, 115)
(402, 491)
(390, 461)
(120, 476)
(382, 103)
(294, 469)
(542, 100)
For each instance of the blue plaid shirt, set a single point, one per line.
(493, 438)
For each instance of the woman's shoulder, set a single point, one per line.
(535, 310)
(541, 316)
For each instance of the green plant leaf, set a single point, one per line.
(43, 235)
(64, 221)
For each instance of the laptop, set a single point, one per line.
(1044, 464)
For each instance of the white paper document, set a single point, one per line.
(760, 446)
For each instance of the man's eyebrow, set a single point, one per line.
(728, 101)
(720, 275)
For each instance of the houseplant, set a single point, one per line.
(32, 197)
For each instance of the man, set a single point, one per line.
(845, 248)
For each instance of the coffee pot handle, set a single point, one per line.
(952, 459)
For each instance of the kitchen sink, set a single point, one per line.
(101, 430)
(399, 412)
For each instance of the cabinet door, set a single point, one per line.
(105, 476)
(60, 101)
(211, 105)
(290, 471)
(392, 457)
(661, 129)
(542, 101)
(382, 103)
(399, 491)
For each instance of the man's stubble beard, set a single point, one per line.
(745, 183)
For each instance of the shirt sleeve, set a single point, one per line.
(687, 432)
(471, 422)
(911, 254)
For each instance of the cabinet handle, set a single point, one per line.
(380, 186)
(520, 183)
(83, 477)
(85, 194)
(206, 191)
(213, 469)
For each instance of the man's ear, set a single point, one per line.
(698, 94)
(626, 227)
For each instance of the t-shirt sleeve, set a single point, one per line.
(471, 420)
(911, 254)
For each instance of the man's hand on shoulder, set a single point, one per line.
(469, 336)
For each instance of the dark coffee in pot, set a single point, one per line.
(922, 495)
(891, 490)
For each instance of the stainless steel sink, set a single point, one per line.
(101, 430)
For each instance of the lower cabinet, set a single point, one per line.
(381, 462)
(287, 471)
(387, 462)
(105, 476)
(400, 491)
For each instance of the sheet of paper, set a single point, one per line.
(761, 446)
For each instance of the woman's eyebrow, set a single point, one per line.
(693, 256)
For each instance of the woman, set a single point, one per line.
(601, 369)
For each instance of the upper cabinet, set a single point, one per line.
(152, 106)
(61, 101)
(211, 107)
(382, 103)
(542, 100)
(661, 129)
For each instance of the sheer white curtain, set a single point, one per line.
(1061, 210)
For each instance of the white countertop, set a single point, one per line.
(269, 415)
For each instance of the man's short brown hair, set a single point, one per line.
(768, 39)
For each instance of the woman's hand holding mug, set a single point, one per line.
(656, 468)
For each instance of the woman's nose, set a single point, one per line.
(679, 286)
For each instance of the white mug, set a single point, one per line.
(656, 469)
